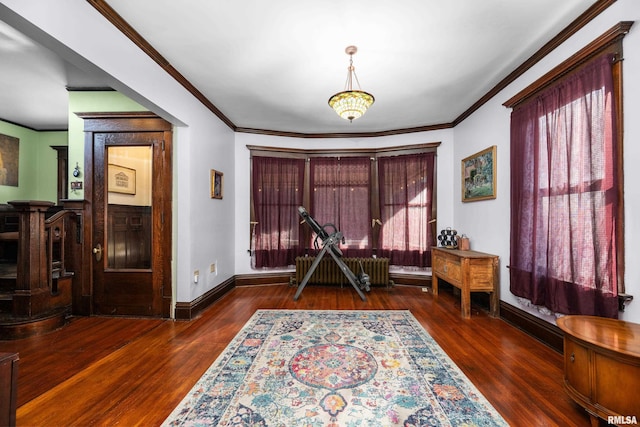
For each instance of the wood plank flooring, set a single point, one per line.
(100, 371)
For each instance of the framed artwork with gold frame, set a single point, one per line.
(217, 184)
(479, 175)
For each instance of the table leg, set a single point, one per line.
(465, 302)
(494, 304)
(465, 289)
(494, 297)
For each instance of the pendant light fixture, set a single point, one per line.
(351, 104)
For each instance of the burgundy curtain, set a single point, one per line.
(340, 195)
(406, 196)
(277, 193)
(563, 195)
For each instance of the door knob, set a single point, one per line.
(97, 251)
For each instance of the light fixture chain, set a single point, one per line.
(350, 71)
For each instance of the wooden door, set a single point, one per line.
(129, 185)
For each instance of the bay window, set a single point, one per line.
(381, 200)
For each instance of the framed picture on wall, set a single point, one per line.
(9, 160)
(121, 179)
(479, 176)
(217, 183)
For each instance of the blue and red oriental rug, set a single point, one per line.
(289, 368)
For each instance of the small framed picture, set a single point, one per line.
(9, 160)
(479, 176)
(217, 184)
(121, 179)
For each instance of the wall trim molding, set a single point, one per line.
(408, 279)
(189, 310)
(540, 329)
(275, 278)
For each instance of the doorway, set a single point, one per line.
(128, 188)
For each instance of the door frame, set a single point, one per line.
(162, 214)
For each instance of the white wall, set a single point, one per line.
(242, 178)
(487, 222)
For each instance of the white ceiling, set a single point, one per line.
(273, 65)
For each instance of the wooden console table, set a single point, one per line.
(602, 366)
(470, 271)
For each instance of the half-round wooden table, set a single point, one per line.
(602, 367)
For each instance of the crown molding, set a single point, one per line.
(112, 16)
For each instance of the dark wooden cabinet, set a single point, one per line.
(8, 388)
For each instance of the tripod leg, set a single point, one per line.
(310, 272)
(347, 272)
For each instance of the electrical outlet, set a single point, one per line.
(196, 276)
(425, 289)
(212, 268)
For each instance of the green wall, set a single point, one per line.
(38, 164)
(90, 102)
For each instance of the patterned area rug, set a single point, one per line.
(289, 368)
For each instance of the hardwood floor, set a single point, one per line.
(100, 371)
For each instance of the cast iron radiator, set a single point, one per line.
(328, 272)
